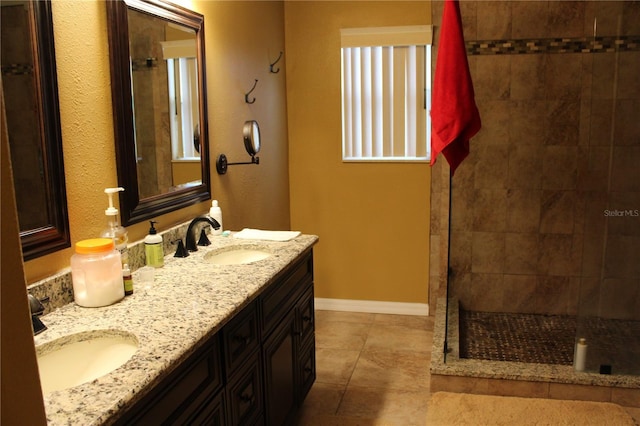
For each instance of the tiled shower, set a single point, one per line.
(545, 212)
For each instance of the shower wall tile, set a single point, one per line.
(462, 209)
(592, 254)
(556, 255)
(520, 294)
(492, 77)
(589, 296)
(627, 207)
(563, 76)
(600, 119)
(619, 298)
(469, 13)
(495, 123)
(521, 253)
(563, 119)
(460, 287)
(527, 77)
(628, 82)
(627, 122)
(525, 163)
(631, 18)
(487, 252)
(624, 173)
(603, 72)
(606, 13)
(461, 243)
(528, 124)
(566, 18)
(491, 166)
(494, 20)
(529, 19)
(559, 167)
(523, 210)
(487, 292)
(490, 210)
(553, 295)
(557, 212)
(621, 256)
(593, 168)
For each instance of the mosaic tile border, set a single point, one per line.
(554, 45)
(17, 69)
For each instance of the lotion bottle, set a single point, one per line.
(114, 230)
(216, 213)
(153, 250)
(580, 357)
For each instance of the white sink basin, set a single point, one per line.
(236, 256)
(79, 358)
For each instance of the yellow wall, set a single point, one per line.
(241, 39)
(372, 219)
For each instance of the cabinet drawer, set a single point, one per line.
(306, 315)
(278, 299)
(307, 372)
(244, 394)
(240, 338)
(185, 392)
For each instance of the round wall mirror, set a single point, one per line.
(251, 133)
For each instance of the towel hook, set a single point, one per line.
(271, 65)
(246, 95)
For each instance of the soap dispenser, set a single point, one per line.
(216, 213)
(153, 250)
(114, 230)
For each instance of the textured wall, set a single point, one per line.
(251, 196)
(372, 218)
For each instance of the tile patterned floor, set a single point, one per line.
(372, 370)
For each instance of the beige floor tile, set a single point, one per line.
(323, 399)
(340, 316)
(633, 412)
(409, 321)
(389, 407)
(399, 338)
(392, 370)
(341, 335)
(335, 365)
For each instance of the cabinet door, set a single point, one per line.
(280, 375)
(244, 394)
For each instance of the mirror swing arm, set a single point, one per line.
(251, 136)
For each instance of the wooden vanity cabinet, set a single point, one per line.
(256, 371)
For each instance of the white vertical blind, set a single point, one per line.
(383, 104)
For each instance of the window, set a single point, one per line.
(182, 89)
(386, 92)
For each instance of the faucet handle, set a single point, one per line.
(204, 241)
(180, 250)
(35, 306)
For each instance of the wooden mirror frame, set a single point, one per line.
(55, 235)
(132, 208)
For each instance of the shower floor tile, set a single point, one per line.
(550, 339)
(545, 339)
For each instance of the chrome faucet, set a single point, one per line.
(190, 240)
(37, 309)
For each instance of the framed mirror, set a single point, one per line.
(159, 100)
(30, 92)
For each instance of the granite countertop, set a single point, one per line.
(189, 301)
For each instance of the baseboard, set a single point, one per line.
(372, 306)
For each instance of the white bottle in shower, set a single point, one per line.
(580, 356)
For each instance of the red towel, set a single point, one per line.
(454, 115)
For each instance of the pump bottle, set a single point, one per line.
(153, 250)
(216, 213)
(114, 231)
